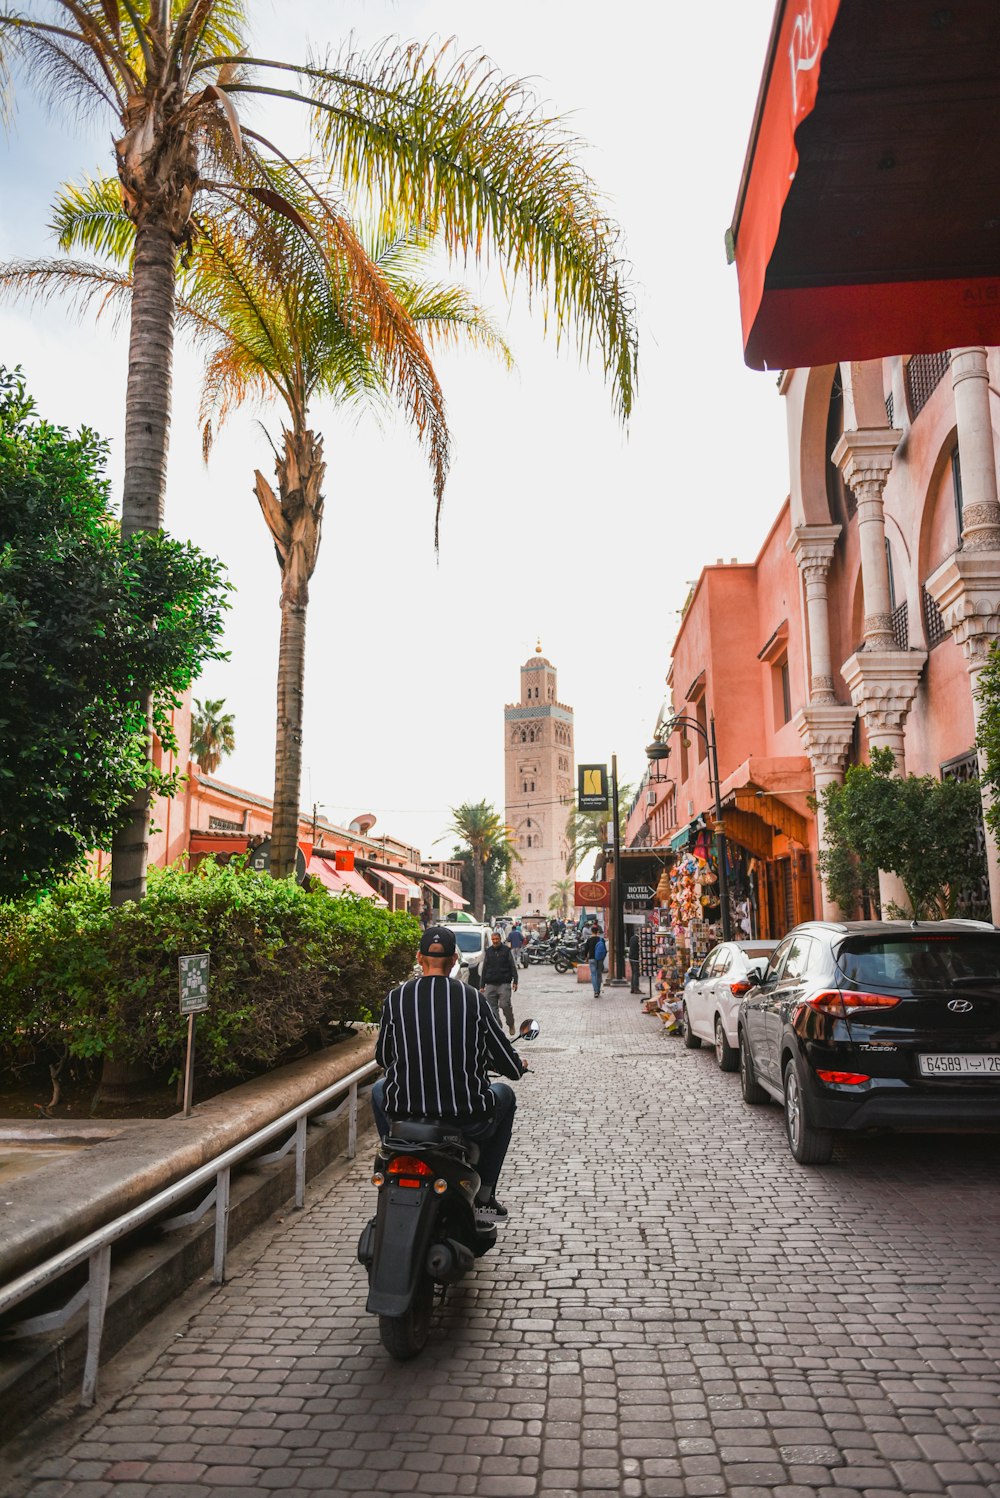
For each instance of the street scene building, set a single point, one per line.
(863, 621)
(539, 780)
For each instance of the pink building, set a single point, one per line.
(864, 621)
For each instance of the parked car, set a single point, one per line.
(712, 998)
(876, 1025)
(472, 942)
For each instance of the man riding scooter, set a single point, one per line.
(437, 1041)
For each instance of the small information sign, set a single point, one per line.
(194, 982)
(639, 893)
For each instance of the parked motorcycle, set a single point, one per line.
(568, 954)
(424, 1233)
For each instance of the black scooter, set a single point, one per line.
(424, 1233)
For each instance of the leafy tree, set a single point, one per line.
(988, 736)
(443, 137)
(499, 889)
(482, 832)
(213, 733)
(87, 623)
(590, 831)
(561, 897)
(914, 826)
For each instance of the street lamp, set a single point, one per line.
(659, 751)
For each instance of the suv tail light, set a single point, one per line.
(843, 1004)
(844, 1078)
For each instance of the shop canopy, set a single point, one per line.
(405, 886)
(448, 895)
(342, 881)
(868, 216)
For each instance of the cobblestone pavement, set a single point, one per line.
(678, 1309)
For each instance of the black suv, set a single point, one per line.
(876, 1025)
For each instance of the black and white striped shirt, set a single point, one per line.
(437, 1039)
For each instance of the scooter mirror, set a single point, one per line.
(529, 1030)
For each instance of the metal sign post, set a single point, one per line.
(193, 979)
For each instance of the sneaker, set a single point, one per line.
(491, 1211)
(512, 1034)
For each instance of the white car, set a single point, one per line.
(472, 943)
(712, 998)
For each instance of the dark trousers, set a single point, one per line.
(492, 1133)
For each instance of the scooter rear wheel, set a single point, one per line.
(404, 1337)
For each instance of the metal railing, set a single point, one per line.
(95, 1248)
(924, 373)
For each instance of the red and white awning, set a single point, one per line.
(446, 894)
(343, 881)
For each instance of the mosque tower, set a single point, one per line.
(539, 783)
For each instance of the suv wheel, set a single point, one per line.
(809, 1145)
(691, 1040)
(726, 1055)
(752, 1091)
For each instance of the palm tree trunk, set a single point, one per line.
(477, 894)
(147, 425)
(295, 524)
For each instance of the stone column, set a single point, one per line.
(883, 684)
(970, 383)
(825, 729)
(864, 457)
(881, 678)
(812, 547)
(966, 588)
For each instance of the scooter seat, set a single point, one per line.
(418, 1131)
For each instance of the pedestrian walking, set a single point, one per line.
(595, 952)
(425, 917)
(499, 979)
(516, 939)
(633, 959)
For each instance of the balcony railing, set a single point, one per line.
(934, 624)
(901, 627)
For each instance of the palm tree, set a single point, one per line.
(213, 733)
(559, 900)
(292, 306)
(481, 829)
(590, 832)
(441, 135)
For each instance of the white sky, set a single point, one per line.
(555, 522)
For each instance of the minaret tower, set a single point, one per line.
(540, 777)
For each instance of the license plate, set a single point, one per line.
(960, 1066)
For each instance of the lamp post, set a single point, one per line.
(659, 750)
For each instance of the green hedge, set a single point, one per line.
(80, 978)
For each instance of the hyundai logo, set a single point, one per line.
(959, 1006)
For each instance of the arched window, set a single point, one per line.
(529, 839)
(524, 737)
(529, 897)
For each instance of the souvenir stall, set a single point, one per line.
(695, 912)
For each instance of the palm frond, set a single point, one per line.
(92, 217)
(446, 137)
(39, 281)
(449, 316)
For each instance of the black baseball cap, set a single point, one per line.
(438, 941)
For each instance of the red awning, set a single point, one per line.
(868, 218)
(446, 894)
(398, 881)
(342, 881)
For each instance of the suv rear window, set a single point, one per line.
(919, 963)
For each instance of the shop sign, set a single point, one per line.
(640, 894)
(594, 892)
(592, 788)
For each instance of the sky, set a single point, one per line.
(558, 524)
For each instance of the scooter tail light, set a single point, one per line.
(408, 1165)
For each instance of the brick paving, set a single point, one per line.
(678, 1310)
